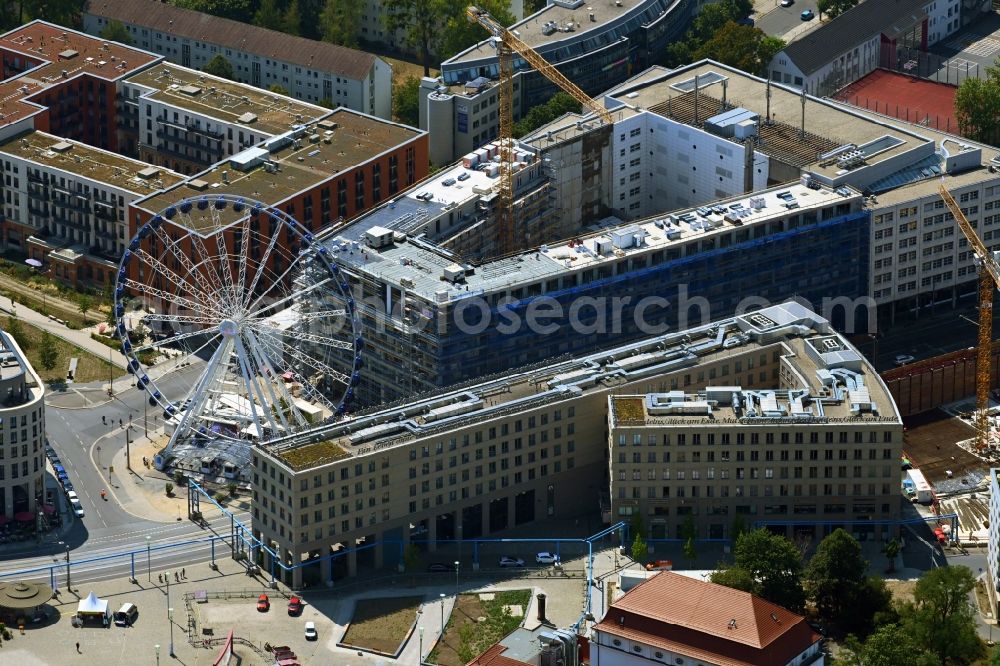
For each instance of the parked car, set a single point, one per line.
(294, 606)
(263, 603)
(511, 562)
(71, 495)
(67, 486)
(659, 565)
(311, 634)
(77, 507)
(903, 359)
(787, 3)
(808, 15)
(440, 567)
(546, 558)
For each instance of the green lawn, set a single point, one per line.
(89, 367)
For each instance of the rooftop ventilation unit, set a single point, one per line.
(190, 90)
(62, 147)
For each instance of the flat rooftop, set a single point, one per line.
(81, 160)
(425, 264)
(570, 24)
(62, 54)
(226, 100)
(777, 328)
(357, 139)
(11, 363)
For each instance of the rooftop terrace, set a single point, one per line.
(60, 54)
(811, 351)
(228, 101)
(357, 139)
(85, 161)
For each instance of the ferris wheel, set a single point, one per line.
(243, 291)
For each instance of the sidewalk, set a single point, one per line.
(141, 491)
(80, 338)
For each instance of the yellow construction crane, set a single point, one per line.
(507, 43)
(989, 279)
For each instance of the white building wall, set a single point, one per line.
(993, 546)
(943, 18)
(917, 248)
(608, 650)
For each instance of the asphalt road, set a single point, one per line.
(780, 20)
(931, 334)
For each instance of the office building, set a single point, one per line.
(674, 619)
(473, 460)
(67, 204)
(993, 544)
(22, 439)
(311, 71)
(596, 47)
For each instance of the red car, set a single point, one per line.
(294, 606)
(263, 603)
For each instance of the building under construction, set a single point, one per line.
(712, 186)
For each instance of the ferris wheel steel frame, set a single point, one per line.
(214, 294)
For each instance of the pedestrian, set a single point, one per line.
(104, 419)
(160, 578)
(78, 647)
(183, 575)
(120, 423)
(177, 577)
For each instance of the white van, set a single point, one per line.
(126, 615)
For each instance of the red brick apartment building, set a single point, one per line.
(76, 87)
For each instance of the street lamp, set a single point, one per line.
(420, 650)
(442, 616)
(149, 570)
(157, 648)
(457, 564)
(169, 613)
(69, 584)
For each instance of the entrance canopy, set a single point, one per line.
(23, 595)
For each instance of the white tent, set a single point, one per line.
(92, 606)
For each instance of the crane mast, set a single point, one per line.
(508, 44)
(989, 279)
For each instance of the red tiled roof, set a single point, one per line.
(493, 657)
(322, 56)
(693, 617)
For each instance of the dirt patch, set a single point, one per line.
(477, 622)
(902, 590)
(929, 443)
(381, 624)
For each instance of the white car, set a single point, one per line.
(511, 562)
(311, 634)
(787, 3)
(903, 359)
(72, 496)
(77, 507)
(546, 558)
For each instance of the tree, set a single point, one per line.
(15, 331)
(834, 8)
(115, 31)
(459, 33)
(48, 353)
(558, 105)
(774, 565)
(940, 617)
(871, 604)
(891, 551)
(639, 549)
(268, 15)
(238, 10)
(995, 657)
(340, 22)
(275, 88)
(291, 22)
(834, 575)
(977, 107)
(84, 302)
(690, 552)
(734, 577)
(169, 488)
(889, 645)
(232, 488)
(420, 21)
(742, 46)
(219, 66)
(406, 101)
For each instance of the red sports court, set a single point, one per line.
(905, 97)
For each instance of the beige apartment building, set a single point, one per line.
(814, 428)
